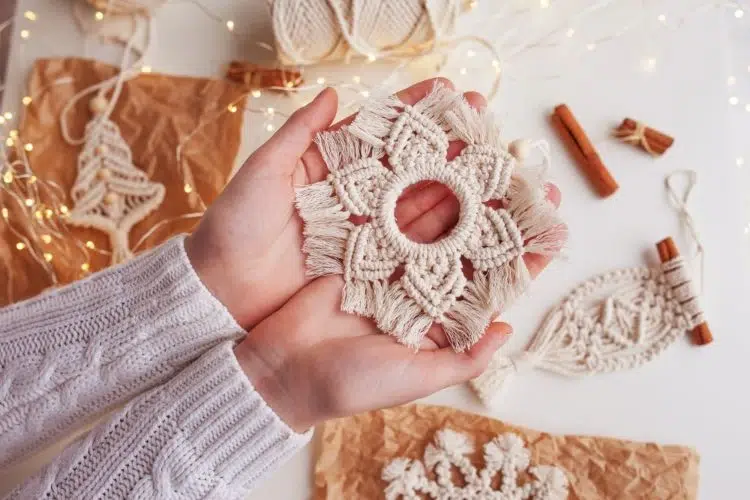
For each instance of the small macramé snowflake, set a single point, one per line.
(505, 455)
(434, 287)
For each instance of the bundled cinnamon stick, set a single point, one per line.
(583, 152)
(258, 77)
(667, 249)
(650, 140)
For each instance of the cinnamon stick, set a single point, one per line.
(667, 250)
(259, 77)
(582, 150)
(649, 139)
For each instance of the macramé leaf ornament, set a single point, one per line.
(434, 287)
(617, 320)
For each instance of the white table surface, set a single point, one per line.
(689, 395)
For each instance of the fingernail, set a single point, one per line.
(319, 96)
(504, 337)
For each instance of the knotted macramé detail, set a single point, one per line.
(110, 194)
(433, 287)
(643, 311)
(506, 459)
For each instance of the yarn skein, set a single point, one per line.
(313, 31)
(126, 7)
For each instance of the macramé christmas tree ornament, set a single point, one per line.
(617, 320)
(433, 287)
(505, 456)
(110, 193)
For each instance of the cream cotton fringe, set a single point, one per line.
(433, 288)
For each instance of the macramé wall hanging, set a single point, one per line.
(617, 320)
(433, 287)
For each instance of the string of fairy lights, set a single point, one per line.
(34, 209)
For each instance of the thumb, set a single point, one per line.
(447, 367)
(296, 135)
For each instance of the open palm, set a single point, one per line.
(248, 247)
(309, 360)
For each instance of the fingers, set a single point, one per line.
(316, 168)
(294, 138)
(435, 222)
(445, 367)
(536, 263)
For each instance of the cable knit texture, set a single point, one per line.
(204, 434)
(73, 352)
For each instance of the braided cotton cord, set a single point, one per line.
(433, 288)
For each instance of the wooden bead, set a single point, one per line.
(101, 150)
(104, 174)
(110, 198)
(520, 149)
(98, 105)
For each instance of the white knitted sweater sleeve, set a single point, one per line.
(204, 434)
(73, 352)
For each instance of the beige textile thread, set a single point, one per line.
(680, 204)
(311, 31)
(433, 288)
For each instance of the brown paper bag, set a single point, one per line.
(154, 113)
(354, 451)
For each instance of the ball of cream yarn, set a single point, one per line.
(124, 7)
(312, 31)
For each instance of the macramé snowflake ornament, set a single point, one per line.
(505, 455)
(434, 286)
(110, 193)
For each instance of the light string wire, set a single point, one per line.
(40, 230)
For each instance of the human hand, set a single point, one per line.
(311, 362)
(248, 247)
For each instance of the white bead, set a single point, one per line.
(520, 149)
(98, 104)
